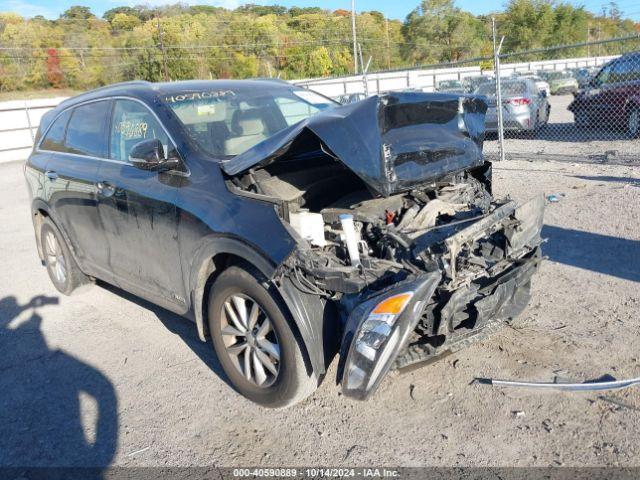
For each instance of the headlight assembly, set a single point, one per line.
(384, 323)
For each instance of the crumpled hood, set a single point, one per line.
(393, 142)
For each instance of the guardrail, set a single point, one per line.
(427, 78)
(19, 121)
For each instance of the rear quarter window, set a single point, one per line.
(87, 132)
(54, 139)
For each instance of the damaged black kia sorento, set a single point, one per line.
(289, 228)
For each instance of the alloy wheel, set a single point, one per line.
(250, 340)
(55, 257)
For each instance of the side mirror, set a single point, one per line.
(149, 155)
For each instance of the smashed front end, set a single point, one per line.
(390, 203)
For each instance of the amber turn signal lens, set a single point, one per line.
(393, 305)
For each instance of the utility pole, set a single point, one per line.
(163, 50)
(353, 30)
(386, 25)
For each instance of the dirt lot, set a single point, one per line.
(104, 378)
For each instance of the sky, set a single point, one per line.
(397, 9)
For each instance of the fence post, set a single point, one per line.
(26, 110)
(496, 64)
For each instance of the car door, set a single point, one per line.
(619, 90)
(75, 142)
(137, 209)
(603, 94)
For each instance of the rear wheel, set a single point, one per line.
(61, 266)
(254, 342)
(633, 122)
(546, 120)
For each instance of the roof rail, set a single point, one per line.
(107, 87)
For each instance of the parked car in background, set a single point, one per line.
(561, 83)
(612, 97)
(348, 98)
(471, 83)
(288, 227)
(450, 86)
(524, 108)
(584, 75)
(541, 84)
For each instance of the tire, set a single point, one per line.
(61, 266)
(546, 120)
(274, 354)
(633, 122)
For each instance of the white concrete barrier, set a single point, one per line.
(19, 121)
(427, 79)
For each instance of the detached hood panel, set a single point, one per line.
(392, 142)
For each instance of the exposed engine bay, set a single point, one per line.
(353, 242)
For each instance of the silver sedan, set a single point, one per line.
(524, 107)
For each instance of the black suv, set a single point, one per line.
(287, 227)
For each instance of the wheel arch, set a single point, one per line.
(307, 314)
(39, 211)
(210, 260)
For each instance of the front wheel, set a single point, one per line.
(633, 122)
(258, 350)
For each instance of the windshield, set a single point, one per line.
(449, 84)
(226, 123)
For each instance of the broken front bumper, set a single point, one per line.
(379, 328)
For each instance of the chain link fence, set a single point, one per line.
(576, 113)
(575, 103)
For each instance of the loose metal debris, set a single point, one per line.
(571, 387)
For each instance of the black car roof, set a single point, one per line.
(149, 90)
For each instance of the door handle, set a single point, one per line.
(105, 189)
(51, 175)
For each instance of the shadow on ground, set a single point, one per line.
(179, 326)
(618, 257)
(627, 180)
(40, 388)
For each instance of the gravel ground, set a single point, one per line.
(103, 378)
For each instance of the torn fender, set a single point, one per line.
(393, 142)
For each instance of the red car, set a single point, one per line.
(612, 98)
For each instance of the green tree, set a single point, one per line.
(439, 31)
(124, 21)
(110, 14)
(77, 12)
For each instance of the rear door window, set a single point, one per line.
(86, 133)
(54, 139)
(133, 123)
